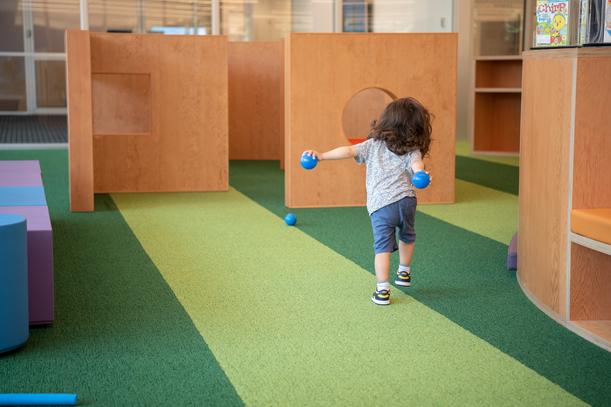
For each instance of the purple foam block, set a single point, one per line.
(17, 179)
(40, 261)
(28, 166)
(20, 173)
(512, 253)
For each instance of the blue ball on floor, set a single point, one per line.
(421, 180)
(290, 219)
(308, 161)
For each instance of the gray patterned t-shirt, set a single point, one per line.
(388, 176)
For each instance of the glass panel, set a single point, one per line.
(313, 15)
(51, 19)
(256, 20)
(114, 15)
(397, 16)
(178, 17)
(12, 84)
(51, 83)
(11, 26)
(498, 27)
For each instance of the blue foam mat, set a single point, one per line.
(23, 196)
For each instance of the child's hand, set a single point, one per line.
(313, 153)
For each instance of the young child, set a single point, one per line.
(393, 152)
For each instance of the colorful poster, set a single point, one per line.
(552, 23)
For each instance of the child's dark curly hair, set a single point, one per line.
(404, 125)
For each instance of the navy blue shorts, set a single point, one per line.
(386, 220)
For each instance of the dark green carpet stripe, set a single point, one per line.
(498, 176)
(458, 274)
(120, 335)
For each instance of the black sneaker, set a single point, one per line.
(404, 278)
(381, 297)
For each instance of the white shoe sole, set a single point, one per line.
(401, 283)
(380, 302)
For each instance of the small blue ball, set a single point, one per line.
(308, 162)
(290, 219)
(421, 180)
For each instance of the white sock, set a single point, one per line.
(383, 286)
(403, 268)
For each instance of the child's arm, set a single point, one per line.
(417, 165)
(338, 153)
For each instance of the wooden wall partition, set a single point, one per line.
(158, 113)
(544, 155)
(324, 71)
(78, 89)
(256, 100)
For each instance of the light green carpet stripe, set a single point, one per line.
(290, 322)
(463, 147)
(481, 210)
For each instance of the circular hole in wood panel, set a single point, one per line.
(363, 107)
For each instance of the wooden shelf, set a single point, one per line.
(591, 243)
(497, 122)
(497, 104)
(503, 73)
(567, 140)
(499, 58)
(498, 90)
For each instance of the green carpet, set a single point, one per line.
(482, 210)
(501, 177)
(290, 320)
(120, 336)
(463, 148)
(459, 274)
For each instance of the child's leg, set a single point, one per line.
(406, 250)
(381, 296)
(382, 264)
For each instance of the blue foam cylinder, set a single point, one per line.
(38, 399)
(14, 319)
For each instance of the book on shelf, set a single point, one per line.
(597, 16)
(557, 23)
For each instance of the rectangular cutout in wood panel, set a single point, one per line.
(121, 103)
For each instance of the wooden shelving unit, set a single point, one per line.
(496, 104)
(565, 266)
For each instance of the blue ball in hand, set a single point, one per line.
(308, 161)
(290, 219)
(421, 180)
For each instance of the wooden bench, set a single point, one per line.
(592, 223)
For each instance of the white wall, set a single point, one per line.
(412, 16)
